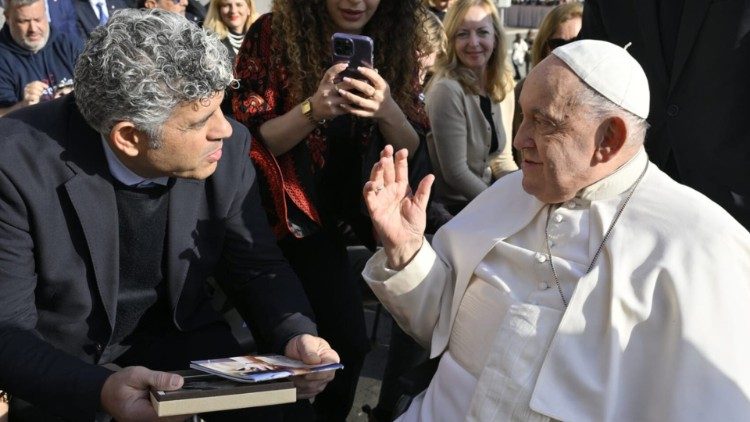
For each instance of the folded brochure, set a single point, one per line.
(256, 368)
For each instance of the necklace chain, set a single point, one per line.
(601, 245)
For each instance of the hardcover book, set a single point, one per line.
(259, 368)
(203, 393)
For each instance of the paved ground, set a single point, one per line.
(372, 372)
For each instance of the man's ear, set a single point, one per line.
(150, 4)
(614, 135)
(126, 139)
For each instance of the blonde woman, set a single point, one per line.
(230, 19)
(470, 105)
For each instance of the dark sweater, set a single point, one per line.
(142, 221)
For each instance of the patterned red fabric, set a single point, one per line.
(263, 96)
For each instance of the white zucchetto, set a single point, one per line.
(611, 71)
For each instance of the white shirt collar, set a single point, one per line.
(618, 182)
(124, 175)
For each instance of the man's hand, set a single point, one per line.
(398, 216)
(33, 92)
(125, 394)
(312, 351)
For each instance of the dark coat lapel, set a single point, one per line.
(86, 16)
(181, 233)
(649, 26)
(93, 199)
(693, 15)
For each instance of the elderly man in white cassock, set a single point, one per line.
(587, 287)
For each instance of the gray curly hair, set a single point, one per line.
(142, 65)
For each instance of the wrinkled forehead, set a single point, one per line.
(551, 84)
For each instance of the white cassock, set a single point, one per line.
(659, 330)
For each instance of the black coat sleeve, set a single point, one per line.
(593, 27)
(254, 273)
(31, 368)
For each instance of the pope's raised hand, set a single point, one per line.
(398, 216)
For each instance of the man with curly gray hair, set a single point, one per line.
(117, 204)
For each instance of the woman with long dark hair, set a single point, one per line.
(316, 138)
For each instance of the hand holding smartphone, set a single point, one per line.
(354, 49)
(364, 93)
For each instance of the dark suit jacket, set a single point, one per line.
(87, 20)
(59, 256)
(700, 110)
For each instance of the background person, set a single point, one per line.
(470, 106)
(192, 10)
(438, 7)
(695, 54)
(519, 48)
(316, 137)
(36, 64)
(230, 19)
(174, 6)
(93, 13)
(529, 42)
(559, 27)
(435, 46)
(63, 18)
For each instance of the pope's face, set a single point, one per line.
(557, 137)
(191, 142)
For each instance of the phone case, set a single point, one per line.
(360, 54)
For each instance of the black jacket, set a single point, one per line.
(59, 257)
(87, 20)
(699, 109)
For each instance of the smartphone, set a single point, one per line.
(65, 83)
(355, 49)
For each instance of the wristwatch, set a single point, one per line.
(307, 110)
